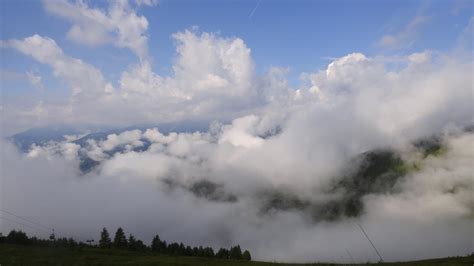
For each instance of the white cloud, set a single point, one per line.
(119, 25)
(66, 149)
(420, 58)
(432, 203)
(141, 79)
(441, 190)
(242, 132)
(389, 99)
(406, 36)
(131, 138)
(368, 90)
(35, 80)
(212, 76)
(85, 80)
(209, 63)
(154, 135)
(147, 2)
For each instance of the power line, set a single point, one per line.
(24, 219)
(27, 225)
(37, 224)
(363, 231)
(350, 255)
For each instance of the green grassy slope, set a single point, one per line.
(28, 255)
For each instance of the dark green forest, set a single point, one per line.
(17, 248)
(121, 242)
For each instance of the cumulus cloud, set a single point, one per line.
(213, 63)
(388, 98)
(119, 25)
(241, 133)
(213, 79)
(84, 79)
(223, 86)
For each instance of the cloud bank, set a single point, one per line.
(202, 188)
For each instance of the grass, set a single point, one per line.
(29, 255)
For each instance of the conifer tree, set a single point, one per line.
(132, 242)
(120, 241)
(156, 244)
(222, 253)
(105, 241)
(235, 253)
(246, 255)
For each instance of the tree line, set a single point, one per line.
(131, 243)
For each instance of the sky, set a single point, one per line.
(291, 98)
(301, 36)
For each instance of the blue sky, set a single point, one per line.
(300, 35)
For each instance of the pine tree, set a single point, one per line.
(182, 249)
(189, 251)
(140, 246)
(235, 253)
(132, 243)
(246, 255)
(222, 253)
(159, 246)
(105, 241)
(208, 252)
(120, 241)
(17, 237)
(156, 244)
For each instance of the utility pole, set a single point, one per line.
(90, 242)
(366, 236)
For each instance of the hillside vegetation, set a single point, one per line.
(34, 255)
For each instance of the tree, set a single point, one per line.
(222, 253)
(159, 246)
(195, 252)
(72, 244)
(135, 244)
(208, 252)
(105, 241)
(175, 249)
(235, 253)
(140, 246)
(120, 241)
(189, 251)
(156, 244)
(182, 249)
(246, 255)
(132, 243)
(17, 237)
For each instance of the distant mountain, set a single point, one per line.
(43, 135)
(373, 172)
